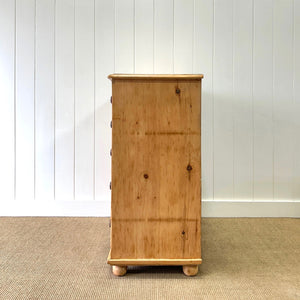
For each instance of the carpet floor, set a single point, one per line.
(65, 258)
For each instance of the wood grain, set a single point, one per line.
(154, 261)
(156, 193)
(157, 76)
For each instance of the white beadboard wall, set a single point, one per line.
(55, 108)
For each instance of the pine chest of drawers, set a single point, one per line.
(156, 171)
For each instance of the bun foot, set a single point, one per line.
(190, 270)
(119, 270)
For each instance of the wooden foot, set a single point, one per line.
(190, 270)
(119, 270)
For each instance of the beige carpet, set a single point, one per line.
(65, 258)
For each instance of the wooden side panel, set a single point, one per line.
(156, 169)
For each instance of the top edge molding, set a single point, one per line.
(157, 76)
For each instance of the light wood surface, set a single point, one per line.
(152, 262)
(155, 262)
(156, 172)
(157, 76)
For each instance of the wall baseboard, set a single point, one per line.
(72, 208)
(102, 208)
(248, 209)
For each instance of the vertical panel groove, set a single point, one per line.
(64, 100)
(74, 116)
(294, 54)
(242, 99)
(54, 104)
(273, 83)
(45, 98)
(34, 103)
(263, 93)
(24, 99)
(213, 100)
(173, 52)
(105, 29)
(296, 96)
(224, 107)
(163, 36)
(134, 37)
(15, 100)
(252, 95)
(294, 101)
(233, 97)
(115, 26)
(153, 22)
(84, 89)
(94, 104)
(193, 44)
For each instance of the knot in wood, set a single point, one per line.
(189, 167)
